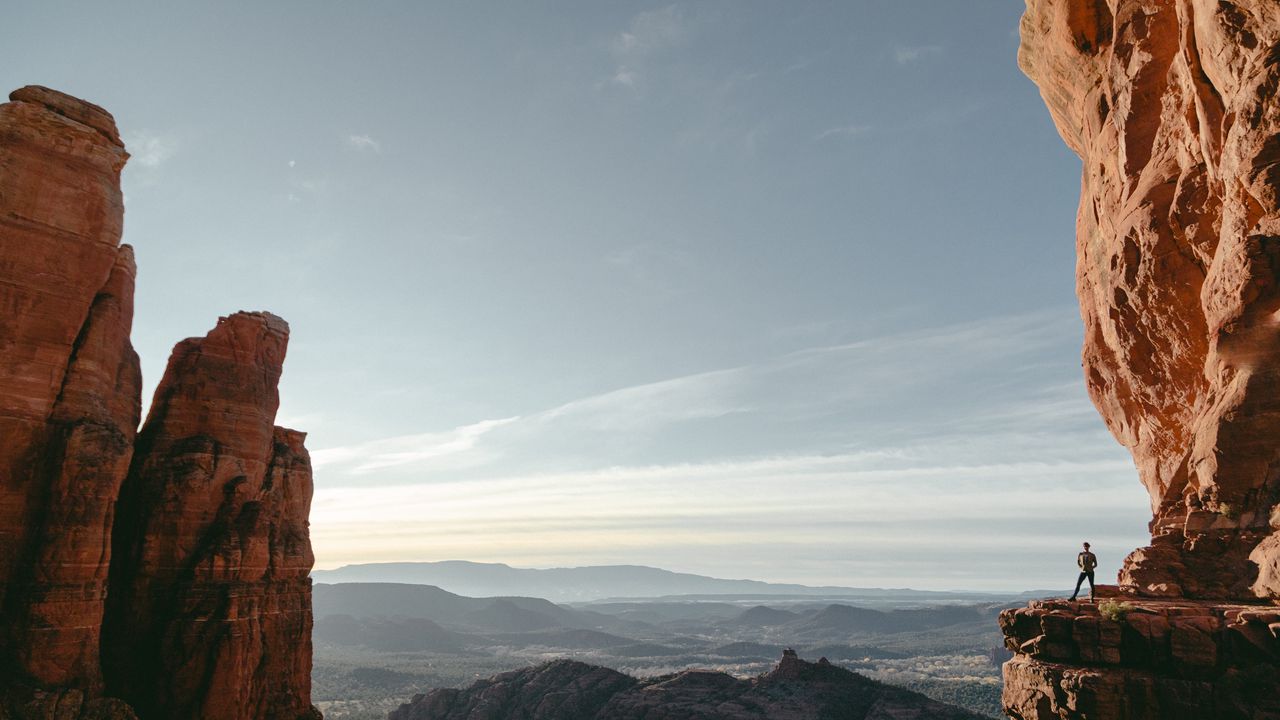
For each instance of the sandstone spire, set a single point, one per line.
(69, 381)
(210, 609)
(210, 603)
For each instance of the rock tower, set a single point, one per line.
(160, 574)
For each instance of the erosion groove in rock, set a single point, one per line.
(177, 558)
(1171, 106)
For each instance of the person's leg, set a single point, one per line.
(1078, 581)
(1090, 586)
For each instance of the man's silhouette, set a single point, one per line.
(1087, 562)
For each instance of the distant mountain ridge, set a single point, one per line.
(581, 584)
(404, 600)
(338, 605)
(379, 627)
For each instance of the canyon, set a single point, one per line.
(160, 569)
(1171, 107)
(159, 572)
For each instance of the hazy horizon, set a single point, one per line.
(781, 293)
(339, 569)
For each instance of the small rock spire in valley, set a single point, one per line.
(160, 574)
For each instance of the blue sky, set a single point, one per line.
(769, 290)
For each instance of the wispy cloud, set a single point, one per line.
(944, 115)
(879, 392)
(712, 394)
(150, 149)
(660, 267)
(653, 30)
(842, 131)
(899, 456)
(364, 143)
(904, 54)
(647, 34)
(420, 450)
(871, 518)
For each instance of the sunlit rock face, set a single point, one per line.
(175, 559)
(1171, 105)
(1153, 659)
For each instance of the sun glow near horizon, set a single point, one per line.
(933, 508)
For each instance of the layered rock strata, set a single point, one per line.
(69, 382)
(1145, 659)
(1171, 105)
(177, 558)
(570, 690)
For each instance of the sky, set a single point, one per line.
(781, 291)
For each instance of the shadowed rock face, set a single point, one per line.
(1171, 105)
(210, 611)
(69, 382)
(570, 690)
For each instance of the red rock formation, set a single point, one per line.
(1153, 659)
(69, 381)
(210, 608)
(86, 457)
(570, 690)
(211, 604)
(1171, 104)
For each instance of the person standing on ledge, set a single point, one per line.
(1087, 562)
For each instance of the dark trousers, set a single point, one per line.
(1083, 575)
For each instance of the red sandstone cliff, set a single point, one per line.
(69, 381)
(1172, 107)
(210, 602)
